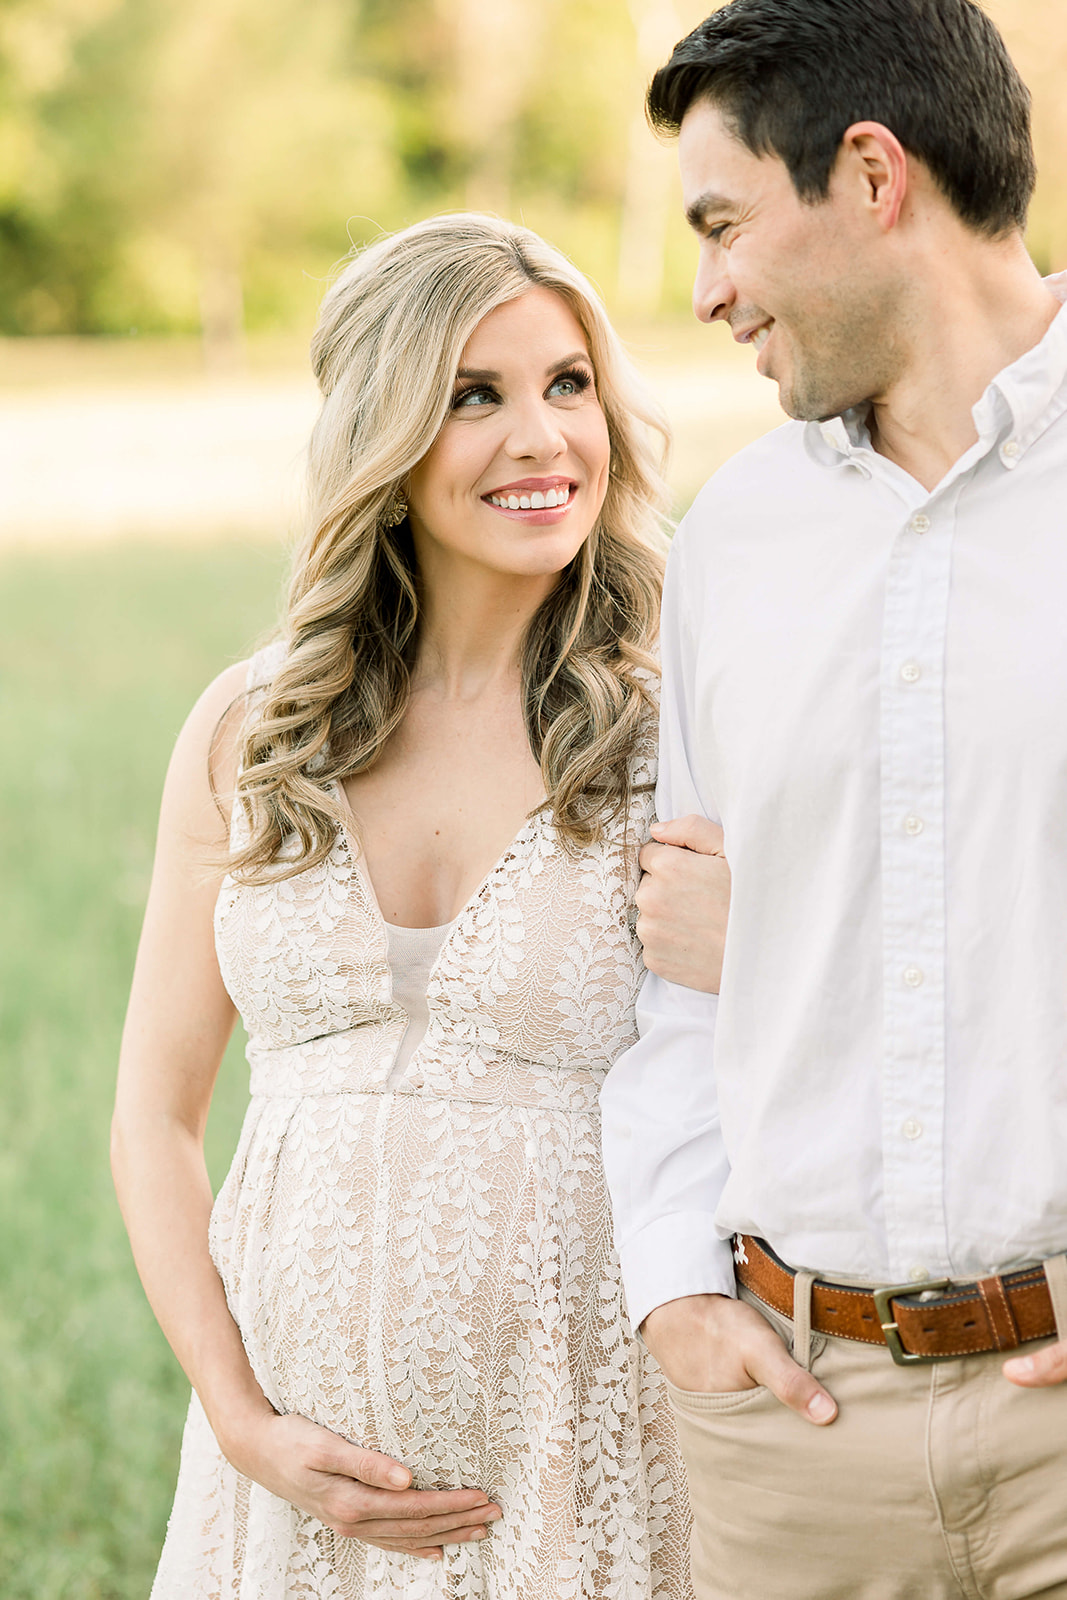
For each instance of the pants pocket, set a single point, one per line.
(693, 1402)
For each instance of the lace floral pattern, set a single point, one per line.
(429, 1270)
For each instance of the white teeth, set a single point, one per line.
(760, 337)
(534, 501)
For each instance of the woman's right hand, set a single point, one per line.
(683, 902)
(357, 1493)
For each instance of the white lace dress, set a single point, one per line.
(428, 1270)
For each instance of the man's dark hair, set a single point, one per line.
(791, 76)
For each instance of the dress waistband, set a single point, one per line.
(356, 1063)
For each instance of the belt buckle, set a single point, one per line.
(890, 1331)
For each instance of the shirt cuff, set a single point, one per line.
(676, 1255)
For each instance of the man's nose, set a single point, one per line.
(713, 292)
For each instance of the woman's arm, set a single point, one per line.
(177, 1027)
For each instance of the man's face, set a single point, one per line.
(810, 286)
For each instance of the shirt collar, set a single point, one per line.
(1021, 402)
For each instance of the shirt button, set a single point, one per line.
(911, 672)
(917, 1274)
(913, 977)
(914, 825)
(912, 1129)
(920, 523)
(1011, 449)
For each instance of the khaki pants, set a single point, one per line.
(939, 1480)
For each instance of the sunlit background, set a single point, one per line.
(176, 183)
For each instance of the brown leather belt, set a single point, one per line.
(964, 1319)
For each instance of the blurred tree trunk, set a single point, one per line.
(222, 317)
(1035, 32)
(497, 53)
(649, 190)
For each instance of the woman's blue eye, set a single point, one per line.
(473, 397)
(572, 384)
(568, 386)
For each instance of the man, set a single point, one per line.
(865, 679)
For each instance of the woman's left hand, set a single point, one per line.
(683, 902)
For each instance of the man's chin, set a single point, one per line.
(804, 407)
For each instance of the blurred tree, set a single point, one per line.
(1036, 35)
(64, 120)
(261, 128)
(648, 193)
(496, 61)
(173, 166)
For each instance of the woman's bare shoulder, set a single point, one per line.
(198, 792)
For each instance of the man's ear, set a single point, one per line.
(874, 159)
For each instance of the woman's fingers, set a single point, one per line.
(368, 1466)
(431, 1530)
(683, 903)
(416, 1516)
(690, 833)
(430, 1552)
(357, 1492)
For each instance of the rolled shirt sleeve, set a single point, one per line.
(663, 1148)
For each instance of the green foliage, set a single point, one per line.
(178, 168)
(102, 651)
(167, 168)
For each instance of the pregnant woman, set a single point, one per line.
(402, 1318)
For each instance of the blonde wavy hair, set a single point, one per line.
(386, 351)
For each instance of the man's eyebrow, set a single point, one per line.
(485, 375)
(697, 213)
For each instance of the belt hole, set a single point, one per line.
(867, 1317)
(831, 1311)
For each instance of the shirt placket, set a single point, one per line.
(913, 890)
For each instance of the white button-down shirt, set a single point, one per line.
(867, 684)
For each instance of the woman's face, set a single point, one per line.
(515, 480)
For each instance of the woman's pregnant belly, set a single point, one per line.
(429, 1277)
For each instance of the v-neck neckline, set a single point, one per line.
(360, 865)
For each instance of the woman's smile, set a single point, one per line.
(536, 501)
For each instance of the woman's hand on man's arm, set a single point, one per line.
(683, 902)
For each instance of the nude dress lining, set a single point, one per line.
(411, 954)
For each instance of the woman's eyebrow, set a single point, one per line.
(568, 361)
(486, 375)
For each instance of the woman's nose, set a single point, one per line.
(536, 433)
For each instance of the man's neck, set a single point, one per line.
(977, 313)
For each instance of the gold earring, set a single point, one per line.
(397, 512)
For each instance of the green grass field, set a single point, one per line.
(102, 651)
